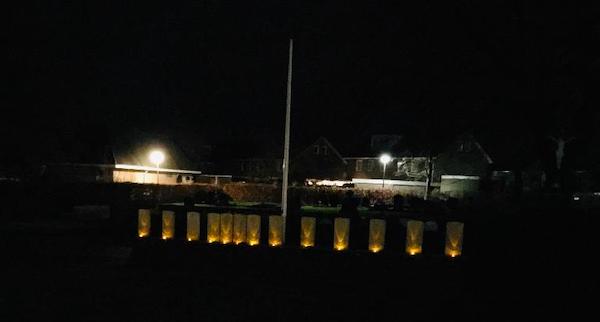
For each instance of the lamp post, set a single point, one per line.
(157, 157)
(384, 159)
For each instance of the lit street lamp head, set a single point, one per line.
(157, 157)
(385, 158)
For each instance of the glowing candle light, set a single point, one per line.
(144, 222)
(341, 233)
(414, 237)
(307, 231)
(454, 238)
(213, 227)
(253, 230)
(376, 235)
(239, 229)
(168, 224)
(226, 228)
(275, 231)
(193, 226)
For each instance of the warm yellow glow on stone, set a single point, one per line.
(307, 231)
(213, 227)
(144, 222)
(414, 237)
(226, 228)
(454, 238)
(275, 231)
(341, 233)
(168, 224)
(376, 235)
(253, 230)
(239, 229)
(193, 226)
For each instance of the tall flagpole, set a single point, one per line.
(286, 149)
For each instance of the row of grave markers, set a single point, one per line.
(227, 228)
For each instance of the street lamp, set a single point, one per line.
(157, 157)
(384, 159)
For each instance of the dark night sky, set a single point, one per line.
(214, 72)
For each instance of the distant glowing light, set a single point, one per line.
(168, 224)
(213, 231)
(253, 230)
(385, 158)
(414, 237)
(157, 157)
(454, 238)
(144, 221)
(307, 231)
(193, 226)
(341, 233)
(376, 235)
(275, 231)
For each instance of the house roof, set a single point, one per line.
(322, 140)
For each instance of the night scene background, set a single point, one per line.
(504, 93)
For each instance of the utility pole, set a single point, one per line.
(286, 149)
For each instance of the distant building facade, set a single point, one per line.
(120, 173)
(459, 167)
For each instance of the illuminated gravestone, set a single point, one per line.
(239, 229)
(193, 226)
(307, 231)
(213, 227)
(226, 228)
(454, 238)
(414, 237)
(168, 224)
(253, 230)
(376, 235)
(341, 233)
(144, 222)
(275, 230)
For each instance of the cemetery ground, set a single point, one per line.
(521, 262)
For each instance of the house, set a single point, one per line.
(255, 169)
(458, 170)
(319, 160)
(130, 164)
(462, 167)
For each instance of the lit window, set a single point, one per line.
(359, 164)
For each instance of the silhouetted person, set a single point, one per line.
(349, 205)
(366, 202)
(398, 202)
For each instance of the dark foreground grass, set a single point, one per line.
(518, 271)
